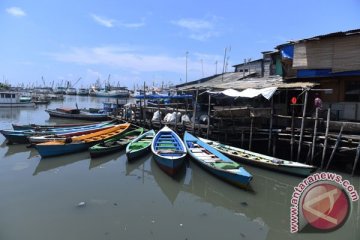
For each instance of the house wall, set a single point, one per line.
(255, 66)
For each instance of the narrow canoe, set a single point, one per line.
(81, 115)
(215, 162)
(168, 150)
(114, 144)
(21, 136)
(261, 160)
(45, 127)
(140, 145)
(79, 143)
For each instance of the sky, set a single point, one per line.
(131, 42)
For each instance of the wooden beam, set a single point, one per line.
(356, 159)
(208, 123)
(194, 112)
(326, 139)
(251, 133)
(335, 147)
(302, 124)
(314, 137)
(271, 124)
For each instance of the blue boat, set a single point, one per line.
(215, 162)
(22, 136)
(168, 150)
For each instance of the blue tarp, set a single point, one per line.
(305, 73)
(287, 51)
(164, 96)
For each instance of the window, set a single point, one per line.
(352, 91)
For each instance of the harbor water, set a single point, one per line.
(76, 197)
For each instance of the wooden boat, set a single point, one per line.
(140, 145)
(261, 160)
(77, 114)
(169, 150)
(79, 143)
(215, 162)
(62, 137)
(114, 144)
(40, 127)
(22, 136)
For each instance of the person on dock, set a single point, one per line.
(318, 102)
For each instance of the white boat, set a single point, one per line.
(83, 92)
(14, 99)
(71, 91)
(120, 93)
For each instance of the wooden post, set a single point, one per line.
(326, 138)
(176, 122)
(302, 125)
(338, 140)
(356, 159)
(208, 123)
(242, 138)
(194, 113)
(144, 109)
(314, 137)
(159, 115)
(251, 133)
(292, 134)
(271, 124)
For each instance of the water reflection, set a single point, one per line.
(10, 113)
(96, 162)
(60, 161)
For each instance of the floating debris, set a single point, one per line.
(244, 204)
(81, 204)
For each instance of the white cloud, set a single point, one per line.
(103, 21)
(16, 11)
(115, 23)
(193, 24)
(198, 29)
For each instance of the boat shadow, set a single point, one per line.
(52, 163)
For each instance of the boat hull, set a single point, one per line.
(56, 150)
(140, 146)
(80, 116)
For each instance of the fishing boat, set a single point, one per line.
(77, 114)
(140, 145)
(71, 91)
(114, 93)
(261, 160)
(45, 127)
(21, 136)
(62, 137)
(215, 162)
(168, 150)
(79, 143)
(14, 99)
(83, 92)
(114, 144)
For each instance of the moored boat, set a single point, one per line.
(114, 144)
(79, 143)
(168, 150)
(215, 162)
(140, 145)
(14, 99)
(46, 127)
(77, 114)
(261, 160)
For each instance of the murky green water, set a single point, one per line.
(39, 198)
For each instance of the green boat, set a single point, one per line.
(140, 145)
(114, 144)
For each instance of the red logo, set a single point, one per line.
(293, 100)
(325, 207)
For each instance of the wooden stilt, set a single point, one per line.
(144, 109)
(326, 138)
(208, 123)
(195, 106)
(271, 124)
(335, 147)
(356, 159)
(314, 137)
(302, 125)
(176, 122)
(242, 138)
(274, 146)
(251, 133)
(292, 134)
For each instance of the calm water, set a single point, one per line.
(39, 198)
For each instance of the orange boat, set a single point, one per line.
(79, 143)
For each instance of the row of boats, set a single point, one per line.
(168, 148)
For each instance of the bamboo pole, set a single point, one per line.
(326, 139)
(195, 106)
(176, 122)
(208, 123)
(292, 134)
(251, 133)
(144, 108)
(314, 137)
(356, 159)
(302, 125)
(271, 124)
(335, 147)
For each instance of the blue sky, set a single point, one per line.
(137, 41)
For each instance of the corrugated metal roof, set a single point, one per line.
(236, 81)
